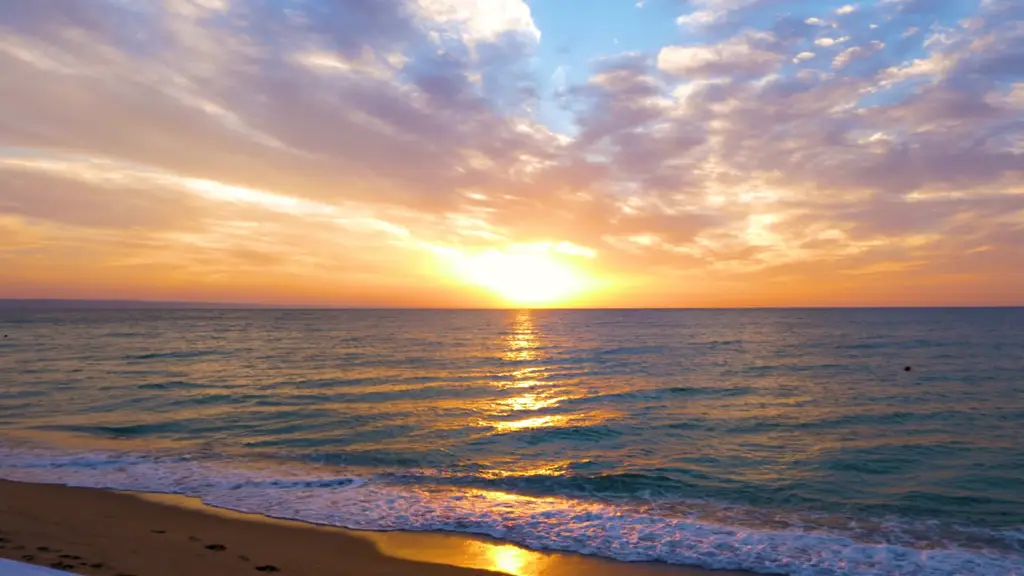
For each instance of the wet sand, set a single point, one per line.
(98, 532)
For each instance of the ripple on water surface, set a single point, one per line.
(776, 441)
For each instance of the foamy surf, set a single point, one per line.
(557, 522)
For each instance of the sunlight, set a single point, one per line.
(528, 423)
(521, 342)
(509, 559)
(530, 401)
(523, 275)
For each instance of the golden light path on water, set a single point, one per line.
(522, 344)
(525, 394)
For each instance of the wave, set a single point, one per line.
(642, 531)
(178, 355)
(122, 431)
(175, 385)
(659, 394)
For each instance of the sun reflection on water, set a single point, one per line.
(538, 422)
(522, 343)
(522, 378)
(531, 401)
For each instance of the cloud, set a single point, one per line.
(854, 53)
(785, 152)
(92, 198)
(475, 22)
(745, 54)
(709, 13)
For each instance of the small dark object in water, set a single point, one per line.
(268, 568)
(906, 368)
(217, 547)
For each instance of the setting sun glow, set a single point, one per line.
(438, 164)
(530, 276)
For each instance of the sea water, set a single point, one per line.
(776, 441)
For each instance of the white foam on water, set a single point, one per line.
(319, 495)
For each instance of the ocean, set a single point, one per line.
(803, 442)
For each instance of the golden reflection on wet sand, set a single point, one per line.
(509, 559)
(466, 552)
(481, 553)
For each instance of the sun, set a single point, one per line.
(523, 276)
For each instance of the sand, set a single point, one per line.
(12, 568)
(89, 531)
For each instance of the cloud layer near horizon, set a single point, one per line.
(338, 151)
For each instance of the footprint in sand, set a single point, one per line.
(268, 568)
(216, 547)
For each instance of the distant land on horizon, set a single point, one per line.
(72, 304)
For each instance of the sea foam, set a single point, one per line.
(322, 495)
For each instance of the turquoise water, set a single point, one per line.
(783, 442)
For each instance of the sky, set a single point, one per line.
(474, 153)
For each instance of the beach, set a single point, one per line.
(91, 531)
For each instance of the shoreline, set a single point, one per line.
(92, 531)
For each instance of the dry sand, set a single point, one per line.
(99, 532)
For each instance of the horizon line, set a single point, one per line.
(131, 304)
